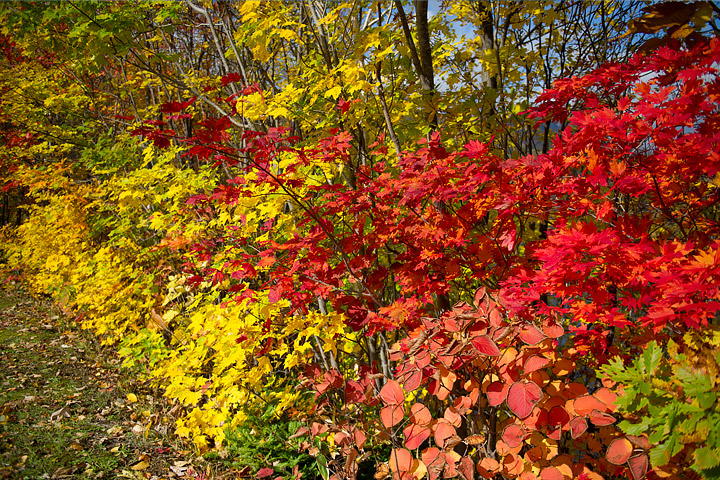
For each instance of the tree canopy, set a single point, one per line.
(456, 239)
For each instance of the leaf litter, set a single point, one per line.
(68, 411)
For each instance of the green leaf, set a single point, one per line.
(651, 357)
(637, 428)
(322, 466)
(707, 399)
(707, 457)
(659, 455)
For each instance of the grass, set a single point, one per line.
(65, 410)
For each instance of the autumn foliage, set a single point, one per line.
(455, 308)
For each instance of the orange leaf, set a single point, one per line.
(415, 435)
(447, 380)
(538, 418)
(419, 414)
(359, 437)
(342, 439)
(640, 441)
(488, 467)
(466, 467)
(513, 435)
(497, 393)
(392, 393)
(553, 330)
(412, 380)
(578, 426)
(392, 415)
(453, 417)
(513, 464)
(574, 390)
(563, 367)
(530, 334)
(463, 404)
(608, 397)
(551, 473)
(475, 439)
(443, 431)
(601, 419)
(588, 474)
(431, 457)
(619, 451)
(540, 377)
(585, 404)
(400, 460)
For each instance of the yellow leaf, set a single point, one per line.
(132, 398)
(140, 466)
(334, 92)
(249, 10)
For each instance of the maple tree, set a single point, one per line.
(319, 193)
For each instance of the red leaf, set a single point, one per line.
(479, 296)
(535, 362)
(467, 467)
(342, 439)
(513, 435)
(578, 426)
(392, 393)
(640, 441)
(343, 105)
(601, 419)
(264, 472)
(476, 149)
(392, 415)
(558, 417)
(172, 107)
(299, 432)
(530, 334)
(522, 397)
(412, 380)
(497, 393)
(619, 451)
(638, 466)
(359, 437)
(415, 435)
(486, 346)
(230, 78)
(354, 392)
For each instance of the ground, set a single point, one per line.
(68, 411)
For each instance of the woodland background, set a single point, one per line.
(456, 240)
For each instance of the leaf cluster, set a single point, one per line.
(671, 396)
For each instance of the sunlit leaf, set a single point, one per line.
(619, 451)
(522, 397)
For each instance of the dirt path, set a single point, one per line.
(67, 413)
